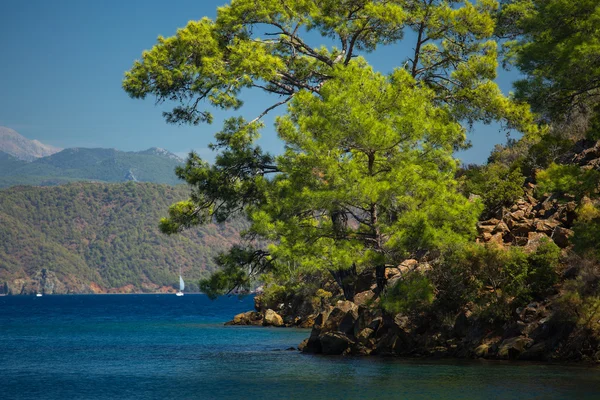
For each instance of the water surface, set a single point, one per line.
(163, 346)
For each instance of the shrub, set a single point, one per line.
(411, 294)
(497, 184)
(586, 239)
(567, 179)
(542, 267)
(493, 280)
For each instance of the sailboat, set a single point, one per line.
(181, 285)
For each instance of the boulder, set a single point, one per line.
(523, 228)
(344, 311)
(546, 226)
(364, 335)
(518, 215)
(497, 238)
(272, 319)
(335, 343)
(501, 228)
(408, 265)
(534, 239)
(247, 318)
(561, 236)
(537, 352)
(390, 272)
(302, 346)
(362, 298)
(482, 351)
(512, 348)
(258, 303)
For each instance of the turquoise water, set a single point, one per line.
(163, 346)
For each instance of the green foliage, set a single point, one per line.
(560, 60)
(568, 179)
(496, 184)
(579, 302)
(494, 281)
(411, 294)
(586, 239)
(367, 177)
(105, 234)
(542, 268)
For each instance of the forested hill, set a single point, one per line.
(82, 164)
(96, 238)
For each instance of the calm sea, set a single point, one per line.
(168, 347)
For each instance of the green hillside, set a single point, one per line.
(96, 237)
(101, 165)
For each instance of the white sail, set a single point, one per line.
(181, 284)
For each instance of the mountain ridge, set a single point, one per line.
(16, 145)
(88, 164)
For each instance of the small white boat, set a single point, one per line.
(38, 295)
(181, 285)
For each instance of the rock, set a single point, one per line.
(498, 238)
(537, 352)
(305, 322)
(501, 228)
(258, 303)
(247, 318)
(534, 240)
(344, 311)
(529, 313)
(364, 335)
(390, 272)
(518, 215)
(512, 348)
(522, 228)
(408, 265)
(546, 226)
(482, 351)
(376, 323)
(402, 322)
(363, 297)
(561, 236)
(335, 343)
(272, 318)
(302, 345)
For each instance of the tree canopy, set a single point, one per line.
(556, 45)
(367, 177)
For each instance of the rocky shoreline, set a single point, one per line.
(534, 332)
(362, 329)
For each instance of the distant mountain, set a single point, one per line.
(99, 165)
(101, 238)
(22, 148)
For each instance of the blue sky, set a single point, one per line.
(62, 63)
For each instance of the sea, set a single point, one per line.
(168, 347)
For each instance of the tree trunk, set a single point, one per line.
(346, 279)
(380, 277)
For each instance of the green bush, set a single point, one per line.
(493, 281)
(497, 184)
(567, 179)
(587, 231)
(411, 294)
(542, 267)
